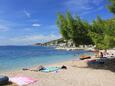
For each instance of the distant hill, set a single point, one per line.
(51, 43)
(39, 44)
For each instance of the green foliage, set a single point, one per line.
(62, 24)
(70, 25)
(74, 29)
(110, 35)
(100, 32)
(112, 6)
(103, 34)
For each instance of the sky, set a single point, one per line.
(25, 22)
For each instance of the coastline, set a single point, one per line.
(62, 58)
(75, 48)
(45, 43)
(48, 64)
(80, 76)
(77, 73)
(35, 66)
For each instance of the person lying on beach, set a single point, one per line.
(41, 68)
(63, 67)
(46, 69)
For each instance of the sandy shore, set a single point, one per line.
(73, 76)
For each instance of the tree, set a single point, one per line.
(109, 35)
(112, 6)
(73, 28)
(100, 32)
(62, 24)
(103, 34)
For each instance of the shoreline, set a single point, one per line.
(80, 76)
(50, 64)
(77, 74)
(75, 48)
(58, 64)
(46, 64)
(53, 63)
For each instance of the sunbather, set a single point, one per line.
(63, 67)
(41, 68)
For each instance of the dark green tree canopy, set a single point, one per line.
(112, 6)
(74, 28)
(100, 32)
(103, 33)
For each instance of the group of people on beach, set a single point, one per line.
(101, 54)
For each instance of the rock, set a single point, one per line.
(3, 80)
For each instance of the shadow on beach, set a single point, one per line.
(105, 63)
(9, 84)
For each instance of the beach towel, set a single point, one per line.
(21, 81)
(50, 69)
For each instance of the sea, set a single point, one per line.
(18, 57)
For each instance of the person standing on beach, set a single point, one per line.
(101, 55)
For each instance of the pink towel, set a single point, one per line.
(22, 80)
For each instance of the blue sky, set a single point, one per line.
(24, 22)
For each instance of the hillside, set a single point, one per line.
(51, 43)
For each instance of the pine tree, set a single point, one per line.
(112, 6)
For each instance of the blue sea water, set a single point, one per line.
(18, 57)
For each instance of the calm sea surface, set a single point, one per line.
(18, 57)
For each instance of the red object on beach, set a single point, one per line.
(92, 60)
(113, 59)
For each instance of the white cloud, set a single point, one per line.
(83, 4)
(36, 25)
(30, 39)
(88, 12)
(97, 2)
(3, 28)
(27, 13)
